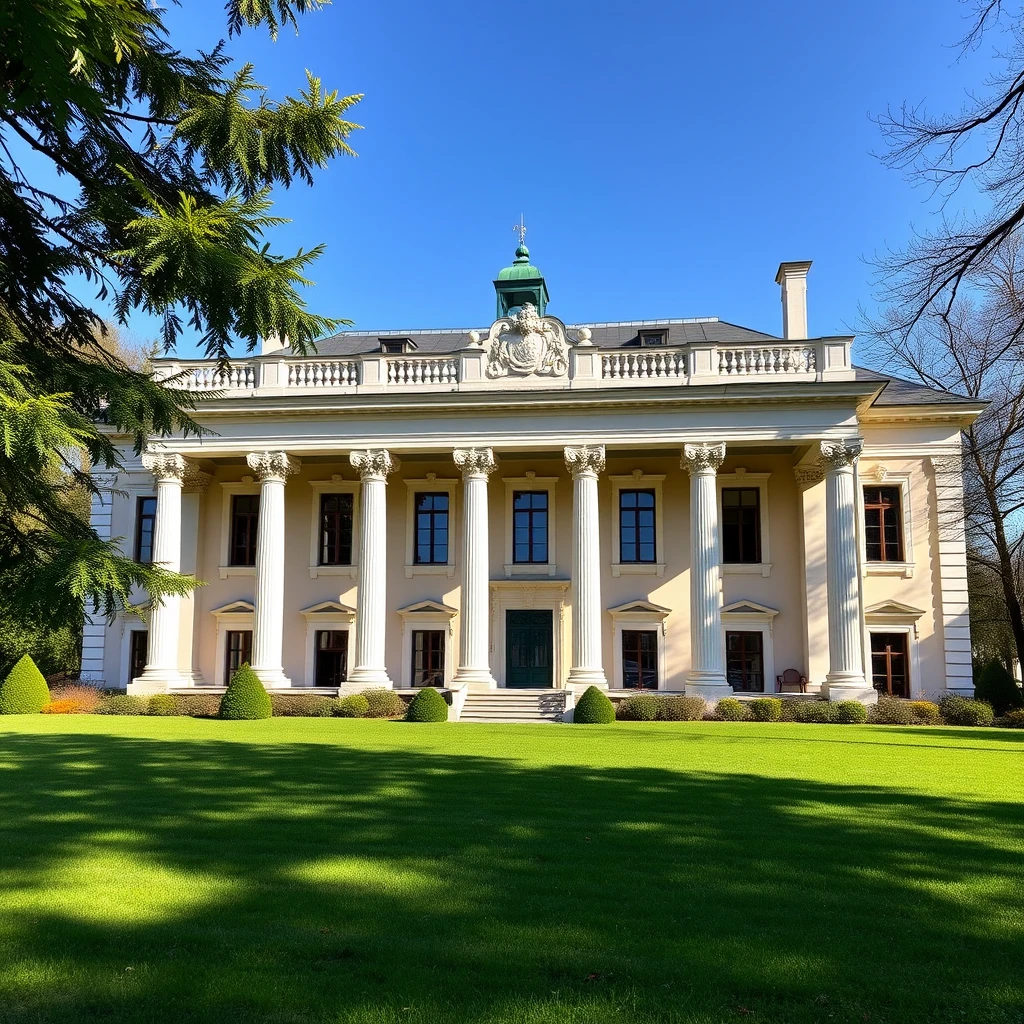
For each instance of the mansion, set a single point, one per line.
(680, 505)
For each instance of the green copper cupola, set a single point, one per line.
(520, 283)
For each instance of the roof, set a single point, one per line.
(904, 392)
(522, 269)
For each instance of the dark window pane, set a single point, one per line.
(336, 514)
(331, 657)
(744, 660)
(640, 659)
(145, 525)
(530, 527)
(636, 526)
(889, 673)
(238, 651)
(245, 511)
(741, 525)
(138, 653)
(431, 545)
(428, 657)
(883, 524)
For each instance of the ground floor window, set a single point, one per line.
(640, 659)
(138, 653)
(428, 657)
(889, 664)
(744, 660)
(238, 652)
(331, 657)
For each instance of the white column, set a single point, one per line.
(845, 679)
(273, 468)
(707, 640)
(476, 464)
(585, 463)
(162, 669)
(371, 607)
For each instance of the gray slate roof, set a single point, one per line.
(905, 392)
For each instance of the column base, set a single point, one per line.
(709, 685)
(849, 688)
(581, 678)
(365, 677)
(157, 681)
(272, 678)
(478, 678)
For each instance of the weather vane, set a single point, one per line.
(520, 229)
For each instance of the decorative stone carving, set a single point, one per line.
(589, 459)
(702, 458)
(272, 465)
(838, 454)
(808, 475)
(164, 465)
(195, 480)
(475, 461)
(527, 344)
(373, 463)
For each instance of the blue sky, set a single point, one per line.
(666, 155)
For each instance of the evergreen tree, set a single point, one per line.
(996, 686)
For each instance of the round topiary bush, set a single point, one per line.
(957, 710)
(851, 712)
(245, 698)
(639, 707)
(765, 709)
(892, 711)
(123, 704)
(384, 704)
(729, 709)
(593, 708)
(925, 712)
(427, 706)
(355, 705)
(682, 709)
(163, 704)
(24, 691)
(997, 687)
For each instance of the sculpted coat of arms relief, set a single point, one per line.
(527, 344)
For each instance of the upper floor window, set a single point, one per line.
(530, 527)
(431, 541)
(741, 524)
(245, 513)
(636, 526)
(649, 339)
(396, 346)
(145, 524)
(336, 529)
(883, 524)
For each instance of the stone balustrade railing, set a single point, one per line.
(423, 370)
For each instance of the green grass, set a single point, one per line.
(294, 870)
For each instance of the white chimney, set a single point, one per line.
(793, 278)
(271, 343)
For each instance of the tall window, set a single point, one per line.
(331, 656)
(336, 529)
(636, 526)
(145, 523)
(431, 529)
(530, 527)
(889, 664)
(138, 653)
(883, 524)
(238, 651)
(428, 657)
(744, 660)
(741, 524)
(640, 659)
(245, 513)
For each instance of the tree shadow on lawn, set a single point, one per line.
(204, 880)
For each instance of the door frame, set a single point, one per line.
(530, 595)
(549, 620)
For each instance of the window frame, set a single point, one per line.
(253, 540)
(764, 675)
(638, 480)
(530, 482)
(336, 485)
(235, 615)
(630, 633)
(433, 484)
(326, 615)
(749, 617)
(321, 532)
(132, 635)
(139, 517)
(907, 660)
(322, 628)
(228, 634)
(428, 616)
(419, 630)
(743, 478)
(880, 475)
(639, 616)
(247, 485)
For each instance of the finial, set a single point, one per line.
(520, 229)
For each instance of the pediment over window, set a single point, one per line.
(329, 608)
(893, 610)
(427, 608)
(644, 608)
(235, 608)
(750, 608)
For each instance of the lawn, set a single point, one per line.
(301, 870)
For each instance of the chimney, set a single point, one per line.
(272, 343)
(793, 278)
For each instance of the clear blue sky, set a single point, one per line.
(667, 155)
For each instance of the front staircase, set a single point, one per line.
(511, 705)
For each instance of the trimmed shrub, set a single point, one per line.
(123, 704)
(73, 700)
(355, 705)
(640, 707)
(593, 708)
(957, 710)
(925, 712)
(427, 706)
(164, 705)
(301, 705)
(765, 709)
(383, 704)
(729, 709)
(682, 709)
(851, 712)
(997, 687)
(892, 711)
(818, 712)
(196, 705)
(1013, 719)
(245, 699)
(24, 691)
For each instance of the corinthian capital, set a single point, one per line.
(373, 463)
(475, 461)
(586, 459)
(164, 465)
(839, 454)
(702, 458)
(272, 465)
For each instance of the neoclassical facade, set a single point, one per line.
(680, 505)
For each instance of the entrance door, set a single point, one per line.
(529, 651)
(889, 664)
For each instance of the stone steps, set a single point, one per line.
(514, 706)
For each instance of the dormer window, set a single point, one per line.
(396, 346)
(651, 339)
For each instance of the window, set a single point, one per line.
(138, 653)
(640, 659)
(336, 529)
(238, 652)
(744, 660)
(245, 512)
(649, 339)
(741, 524)
(428, 657)
(636, 526)
(431, 541)
(331, 657)
(396, 346)
(530, 527)
(883, 530)
(889, 663)
(145, 524)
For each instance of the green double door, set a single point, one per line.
(529, 649)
